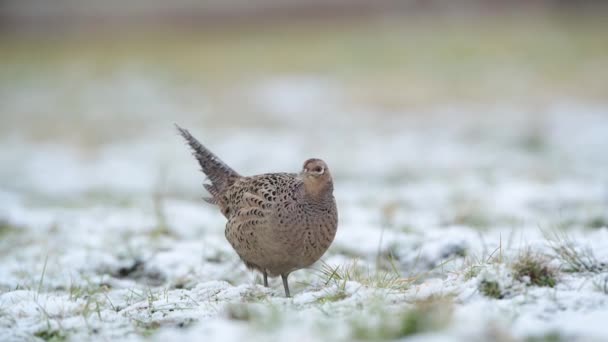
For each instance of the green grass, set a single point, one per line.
(146, 329)
(51, 335)
(427, 315)
(574, 257)
(254, 295)
(491, 289)
(534, 142)
(332, 297)
(341, 274)
(7, 228)
(8, 242)
(471, 272)
(77, 291)
(534, 269)
(549, 337)
(598, 222)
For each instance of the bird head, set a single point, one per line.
(316, 176)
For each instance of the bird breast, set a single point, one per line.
(309, 232)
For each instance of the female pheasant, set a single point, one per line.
(277, 222)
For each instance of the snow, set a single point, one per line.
(115, 242)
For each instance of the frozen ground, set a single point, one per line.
(106, 238)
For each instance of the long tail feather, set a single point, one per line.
(220, 174)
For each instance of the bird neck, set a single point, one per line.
(319, 189)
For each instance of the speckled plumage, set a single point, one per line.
(277, 222)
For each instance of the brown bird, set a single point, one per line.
(277, 222)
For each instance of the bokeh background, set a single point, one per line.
(98, 85)
(451, 128)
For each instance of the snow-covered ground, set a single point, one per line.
(110, 241)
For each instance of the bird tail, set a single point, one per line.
(220, 174)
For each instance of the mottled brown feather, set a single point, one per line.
(277, 222)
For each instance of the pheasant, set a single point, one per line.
(277, 222)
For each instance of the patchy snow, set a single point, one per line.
(114, 242)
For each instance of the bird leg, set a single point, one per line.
(265, 279)
(285, 285)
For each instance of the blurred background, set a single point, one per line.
(89, 90)
(452, 128)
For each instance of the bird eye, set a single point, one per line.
(318, 169)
